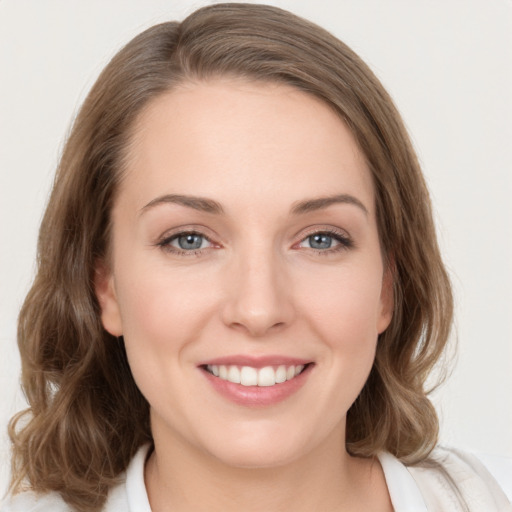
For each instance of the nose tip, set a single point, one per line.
(257, 323)
(259, 302)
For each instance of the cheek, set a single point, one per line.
(162, 315)
(163, 308)
(348, 306)
(345, 317)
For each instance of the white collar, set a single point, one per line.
(403, 490)
(405, 494)
(136, 493)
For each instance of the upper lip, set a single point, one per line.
(256, 361)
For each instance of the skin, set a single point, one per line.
(257, 286)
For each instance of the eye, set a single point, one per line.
(326, 241)
(185, 242)
(320, 241)
(189, 241)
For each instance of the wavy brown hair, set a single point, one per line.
(86, 417)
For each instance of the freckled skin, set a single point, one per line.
(258, 284)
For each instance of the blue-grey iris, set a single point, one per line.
(190, 241)
(320, 241)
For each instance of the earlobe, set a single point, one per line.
(106, 295)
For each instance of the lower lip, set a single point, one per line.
(258, 396)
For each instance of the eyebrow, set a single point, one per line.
(197, 203)
(320, 203)
(210, 206)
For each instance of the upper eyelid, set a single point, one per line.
(166, 240)
(184, 230)
(345, 241)
(331, 230)
(184, 233)
(177, 234)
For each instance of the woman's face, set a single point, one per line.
(245, 251)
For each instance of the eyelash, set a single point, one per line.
(165, 243)
(344, 242)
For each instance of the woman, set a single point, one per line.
(239, 294)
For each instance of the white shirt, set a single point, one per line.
(412, 489)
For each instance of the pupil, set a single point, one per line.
(190, 241)
(320, 241)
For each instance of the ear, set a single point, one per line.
(387, 299)
(106, 295)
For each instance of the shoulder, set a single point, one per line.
(500, 468)
(129, 494)
(52, 502)
(451, 476)
(32, 502)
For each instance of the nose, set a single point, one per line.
(259, 299)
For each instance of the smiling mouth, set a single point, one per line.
(249, 376)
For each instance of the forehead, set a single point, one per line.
(219, 137)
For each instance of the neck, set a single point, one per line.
(181, 478)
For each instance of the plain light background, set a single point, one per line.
(448, 66)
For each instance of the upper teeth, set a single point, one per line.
(249, 376)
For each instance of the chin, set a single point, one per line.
(257, 458)
(261, 448)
